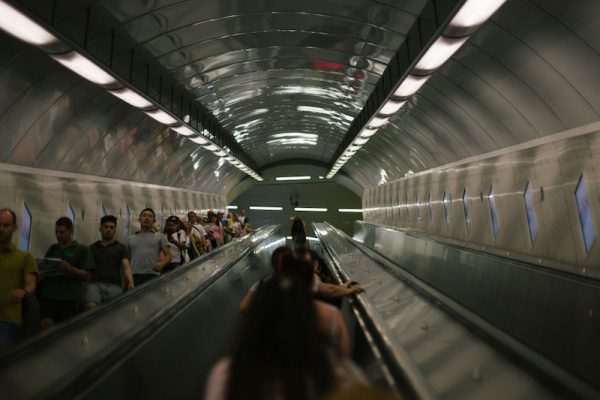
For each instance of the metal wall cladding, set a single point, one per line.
(552, 168)
(330, 195)
(51, 118)
(49, 194)
(528, 72)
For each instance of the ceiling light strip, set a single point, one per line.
(450, 38)
(292, 178)
(21, 26)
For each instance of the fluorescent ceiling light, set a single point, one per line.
(475, 12)
(22, 27)
(310, 109)
(360, 141)
(350, 210)
(391, 107)
(258, 111)
(292, 178)
(131, 97)
(440, 51)
(377, 122)
(200, 140)
(162, 117)
(410, 85)
(212, 147)
(314, 209)
(264, 208)
(184, 130)
(367, 132)
(354, 147)
(293, 135)
(310, 142)
(85, 68)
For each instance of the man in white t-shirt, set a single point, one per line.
(197, 232)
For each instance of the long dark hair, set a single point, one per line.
(280, 352)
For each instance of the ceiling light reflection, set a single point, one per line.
(85, 68)
(184, 130)
(475, 12)
(200, 140)
(391, 107)
(162, 117)
(410, 85)
(440, 51)
(21, 26)
(132, 98)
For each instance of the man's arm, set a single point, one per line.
(76, 272)
(127, 274)
(30, 280)
(167, 257)
(330, 291)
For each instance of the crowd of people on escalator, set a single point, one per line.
(292, 342)
(72, 277)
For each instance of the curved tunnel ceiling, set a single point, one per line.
(287, 78)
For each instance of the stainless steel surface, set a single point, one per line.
(49, 193)
(406, 378)
(52, 119)
(286, 78)
(455, 362)
(539, 308)
(176, 323)
(552, 167)
(525, 74)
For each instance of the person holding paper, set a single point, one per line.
(62, 295)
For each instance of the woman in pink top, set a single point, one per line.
(282, 350)
(217, 229)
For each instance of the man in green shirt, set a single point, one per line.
(62, 294)
(18, 274)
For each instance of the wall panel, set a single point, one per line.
(552, 166)
(49, 193)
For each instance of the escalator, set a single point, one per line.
(446, 337)
(157, 341)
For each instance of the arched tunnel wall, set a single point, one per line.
(483, 203)
(48, 195)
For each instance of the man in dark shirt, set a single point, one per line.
(112, 266)
(61, 295)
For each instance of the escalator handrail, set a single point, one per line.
(497, 337)
(393, 353)
(90, 367)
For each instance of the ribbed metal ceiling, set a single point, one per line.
(529, 72)
(287, 78)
